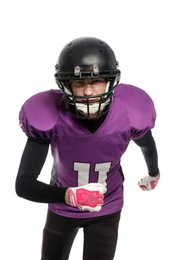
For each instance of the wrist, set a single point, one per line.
(67, 196)
(154, 175)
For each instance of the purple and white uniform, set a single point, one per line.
(81, 157)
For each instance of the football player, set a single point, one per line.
(88, 123)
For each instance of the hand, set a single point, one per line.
(88, 197)
(149, 183)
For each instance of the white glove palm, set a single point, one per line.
(88, 197)
(148, 183)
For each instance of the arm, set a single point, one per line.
(88, 197)
(27, 185)
(149, 150)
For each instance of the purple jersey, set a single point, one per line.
(81, 157)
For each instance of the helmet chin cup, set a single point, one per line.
(91, 111)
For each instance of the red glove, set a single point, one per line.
(88, 197)
(149, 183)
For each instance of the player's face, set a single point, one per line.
(87, 94)
(88, 87)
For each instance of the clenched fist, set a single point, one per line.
(148, 182)
(88, 197)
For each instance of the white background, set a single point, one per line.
(32, 34)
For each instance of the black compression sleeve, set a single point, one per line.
(149, 150)
(27, 185)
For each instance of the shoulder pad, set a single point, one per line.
(139, 105)
(39, 112)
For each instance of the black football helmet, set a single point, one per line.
(87, 58)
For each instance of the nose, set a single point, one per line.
(88, 89)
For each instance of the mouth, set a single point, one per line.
(88, 101)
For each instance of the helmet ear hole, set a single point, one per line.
(64, 86)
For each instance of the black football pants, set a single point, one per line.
(100, 236)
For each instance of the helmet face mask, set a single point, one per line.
(87, 58)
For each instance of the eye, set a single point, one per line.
(77, 83)
(99, 80)
(96, 81)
